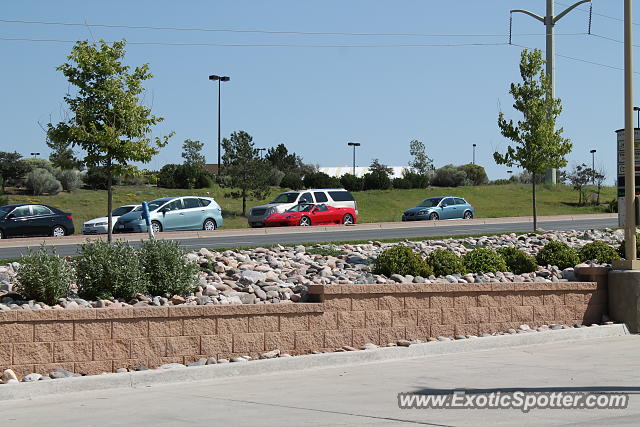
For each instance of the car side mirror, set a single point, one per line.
(11, 216)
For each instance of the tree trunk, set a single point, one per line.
(244, 203)
(535, 218)
(109, 203)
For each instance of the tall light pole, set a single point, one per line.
(354, 145)
(35, 154)
(593, 166)
(549, 21)
(260, 150)
(220, 79)
(474, 154)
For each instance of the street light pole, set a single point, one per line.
(549, 21)
(220, 79)
(354, 145)
(35, 154)
(474, 154)
(593, 166)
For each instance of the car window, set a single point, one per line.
(460, 201)
(174, 206)
(21, 211)
(303, 207)
(122, 210)
(429, 203)
(447, 202)
(191, 202)
(205, 202)
(285, 198)
(40, 210)
(341, 196)
(322, 208)
(305, 198)
(320, 197)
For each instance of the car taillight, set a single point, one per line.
(69, 217)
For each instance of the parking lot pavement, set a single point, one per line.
(366, 394)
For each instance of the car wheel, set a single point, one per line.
(433, 216)
(156, 226)
(468, 215)
(58, 231)
(305, 221)
(209, 225)
(347, 219)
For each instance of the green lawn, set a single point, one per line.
(374, 206)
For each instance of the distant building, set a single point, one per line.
(338, 171)
(212, 168)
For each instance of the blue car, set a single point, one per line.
(444, 207)
(173, 213)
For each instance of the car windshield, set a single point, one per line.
(5, 210)
(285, 198)
(153, 205)
(121, 210)
(429, 203)
(303, 207)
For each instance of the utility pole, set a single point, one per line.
(549, 21)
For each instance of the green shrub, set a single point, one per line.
(622, 250)
(69, 178)
(44, 277)
(41, 181)
(332, 251)
(105, 270)
(445, 262)
(598, 251)
(518, 261)
(351, 182)
(558, 254)
(484, 260)
(292, 181)
(402, 260)
(166, 268)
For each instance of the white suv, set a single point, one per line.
(336, 197)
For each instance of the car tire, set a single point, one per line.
(433, 216)
(209, 225)
(58, 231)
(348, 219)
(156, 227)
(305, 221)
(467, 215)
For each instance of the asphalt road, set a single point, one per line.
(450, 228)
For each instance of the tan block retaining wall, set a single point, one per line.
(93, 341)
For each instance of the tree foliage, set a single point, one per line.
(62, 155)
(243, 168)
(421, 163)
(192, 153)
(107, 119)
(537, 144)
(12, 167)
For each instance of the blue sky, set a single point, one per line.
(316, 99)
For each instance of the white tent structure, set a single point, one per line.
(338, 171)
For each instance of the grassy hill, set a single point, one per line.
(374, 206)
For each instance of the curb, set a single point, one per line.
(312, 361)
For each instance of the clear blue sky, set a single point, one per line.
(316, 99)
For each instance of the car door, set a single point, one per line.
(320, 215)
(42, 220)
(461, 207)
(18, 223)
(448, 208)
(172, 216)
(193, 213)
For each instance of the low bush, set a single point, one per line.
(559, 254)
(109, 270)
(483, 260)
(518, 261)
(166, 268)
(599, 251)
(44, 277)
(292, 182)
(376, 180)
(402, 260)
(320, 180)
(40, 181)
(70, 179)
(351, 182)
(449, 176)
(444, 262)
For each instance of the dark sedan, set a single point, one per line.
(26, 219)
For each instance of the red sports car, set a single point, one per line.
(306, 214)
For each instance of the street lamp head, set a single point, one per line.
(592, 151)
(636, 108)
(221, 78)
(214, 77)
(474, 145)
(353, 144)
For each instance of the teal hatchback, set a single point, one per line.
(173, 213)
(435, 208)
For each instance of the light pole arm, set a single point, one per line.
(569, 9)
(531, 14)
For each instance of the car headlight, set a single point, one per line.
(422, 212)
(100, 223)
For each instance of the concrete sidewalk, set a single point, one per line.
(364, 394)
(182, 235)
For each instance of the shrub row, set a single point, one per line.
(441, 262)
(102, 270)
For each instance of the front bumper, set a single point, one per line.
(281, 223)
(130, 227)
(94, 229)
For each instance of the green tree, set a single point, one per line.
(12, 167)
(280, 159)
(537, 145)
(192, 153)
(107, 120)
(62, 154)
(243, 168)
(421, 163)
